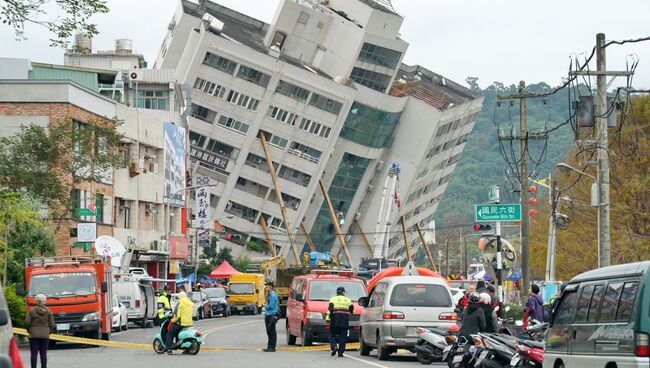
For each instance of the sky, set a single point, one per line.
(494, 40)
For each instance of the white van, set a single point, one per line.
(138, 296)
(397, 306)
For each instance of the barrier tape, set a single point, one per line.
(132, 345)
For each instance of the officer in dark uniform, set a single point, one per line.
(338, 315)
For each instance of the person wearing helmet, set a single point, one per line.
(338, 315)
(473, 317)
(491, 319)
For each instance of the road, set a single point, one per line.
(246, 332)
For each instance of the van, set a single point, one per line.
(246, 293)
(308, 302)
(602, 320)
(397, 306)
(138, 296)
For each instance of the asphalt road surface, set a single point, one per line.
(233, 332)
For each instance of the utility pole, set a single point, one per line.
(523, 137)
(602, 144)
(552, 228)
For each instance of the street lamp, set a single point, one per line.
(566, 167)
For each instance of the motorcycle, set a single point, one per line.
(430, 345)
(497, 350)
(460, 354)
(189, 339)
(530, 353)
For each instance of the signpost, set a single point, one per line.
(497, 212)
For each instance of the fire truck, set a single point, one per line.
(78, 293)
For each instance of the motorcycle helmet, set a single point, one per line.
(485, 298)
(474, 298)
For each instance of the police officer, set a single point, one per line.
(338, 315)
(164, 304)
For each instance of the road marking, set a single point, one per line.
(208, 332)
(366, 362)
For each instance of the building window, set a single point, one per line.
(281, 115)
(293, 91)
(253, 76)
(155, 100)
(305, 152)
(219, 62)
(99, 208)
(373, 80)
(278, 40)
(303, 18)
(325, 103)
(203, 113)
(222, 149)
(233, 124)
(210, 88)
(197, 139)
(369, 126)
(243, 100)
(379, 55)
(313, 127)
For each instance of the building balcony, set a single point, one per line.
(303, 155)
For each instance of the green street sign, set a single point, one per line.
(497, 212)
(83, 212)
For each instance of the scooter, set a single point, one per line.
(430, 345)
(189, 339)
(530, 353)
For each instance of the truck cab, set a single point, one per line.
(77, 291)
(246, 293)
(308, 303)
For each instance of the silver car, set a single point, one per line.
(397, 306)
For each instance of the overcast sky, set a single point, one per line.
(494, 40)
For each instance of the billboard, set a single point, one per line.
(174, 165)
(177, 247)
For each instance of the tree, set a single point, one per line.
(242, 263)
(72, 17)
(225, 254)
(22, 235)
(47, 163)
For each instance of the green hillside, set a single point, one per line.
(482, 165)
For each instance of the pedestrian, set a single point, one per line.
(495, 300)
(182, 319)
(338, 315)
(535, 305)
(39, 322)
(164, 305)
(473, 317)
(271, 316)
(463, 302)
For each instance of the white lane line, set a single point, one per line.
(208, 332)
(366, 362)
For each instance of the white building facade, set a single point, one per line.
(325, 84)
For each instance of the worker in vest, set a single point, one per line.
(164, 303)
(338, 315)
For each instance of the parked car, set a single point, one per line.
(8, 348)
(120, 317)
(138, 296)
(602, 320)
(220, 304)
(202, 305)
(308, 301)
(397, 306)
(456, 294)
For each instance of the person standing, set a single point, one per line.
(338, 315)
(164, 304)
(182, 319)
(271, 316)
(39, 322)
(535, 305)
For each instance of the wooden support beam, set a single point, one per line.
(427, 251)
(406, 240)
(371, 252)
(278, 197)
(335, 221)
(307, 237)
(269, 242)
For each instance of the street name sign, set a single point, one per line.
(497, 212)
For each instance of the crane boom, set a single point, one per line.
(389, 201)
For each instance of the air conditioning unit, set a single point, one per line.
(357, 216)
(134, 168)
(149, 208)
(135, 76)
(123, 203)
(379, 165)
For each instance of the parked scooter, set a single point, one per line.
(530, 353)
(431, 344)
(496, 351)
(189, 339)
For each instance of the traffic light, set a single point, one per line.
(482, 227)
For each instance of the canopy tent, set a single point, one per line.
(223, 271)
(515, 275)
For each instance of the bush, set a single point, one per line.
(17, 306)
(255, 246)
(516, 311)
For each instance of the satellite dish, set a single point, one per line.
(108, 246)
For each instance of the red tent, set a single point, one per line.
(223, 271)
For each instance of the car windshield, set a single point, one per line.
(420, 295)
(241, 288)
(62, 284)
(196, 297)
(215, 292)
(326, 289)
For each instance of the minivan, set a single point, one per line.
(138, 296)
(602, 320)
(397, 306)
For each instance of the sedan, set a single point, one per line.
(120, 318)
(202, 304)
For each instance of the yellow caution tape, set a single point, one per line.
(132, 345)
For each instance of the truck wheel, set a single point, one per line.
(144, 322)
(291, 340)
(106, 336)
(306, 341)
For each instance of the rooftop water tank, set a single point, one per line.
(124, 46)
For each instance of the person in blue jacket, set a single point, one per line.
(271, 316)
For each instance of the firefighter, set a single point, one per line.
(338, 315)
